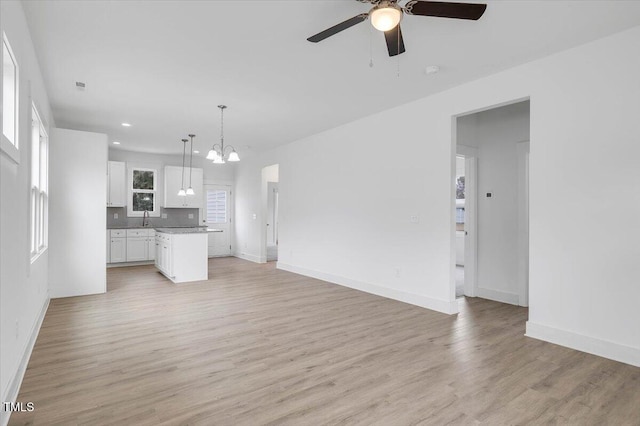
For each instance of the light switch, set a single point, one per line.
(115, 215)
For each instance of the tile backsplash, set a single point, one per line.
(175, 217)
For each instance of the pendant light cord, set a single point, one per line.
(184, 147)
(222, 131)
(191, 160)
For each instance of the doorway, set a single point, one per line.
(217, 216)
(270, 206)
(272, 221)
(492, 204)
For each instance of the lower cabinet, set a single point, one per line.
(130, 245)
(137, 249)
(118, 250)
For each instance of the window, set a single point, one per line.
(9, 101)
(143, 184)
(39, 185)
(216, 206)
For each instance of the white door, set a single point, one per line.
(217, 215)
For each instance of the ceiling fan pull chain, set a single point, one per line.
(370, 46)
(398, 55)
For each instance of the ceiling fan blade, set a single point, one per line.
(337, 28)
(472, 11)
(395, 43)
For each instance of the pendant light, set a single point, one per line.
(182, 192)
(190, 188)
(217, 153)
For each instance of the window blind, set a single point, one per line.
(216, 206)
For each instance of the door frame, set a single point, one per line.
(470, 155)
(230, 210)
(523, 149)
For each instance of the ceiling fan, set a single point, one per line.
(387, 14)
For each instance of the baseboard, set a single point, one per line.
(497, 296)
(390, 293)
(125, 264)
(592, 345)
(14, 385)
(250, 257)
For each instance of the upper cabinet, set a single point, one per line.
(173, 181)
(116, 184)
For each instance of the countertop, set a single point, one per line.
(193, 230)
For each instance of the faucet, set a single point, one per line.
(145, 218)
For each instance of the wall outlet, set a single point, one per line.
(396, 272)
(115, 215)
(17, 329)
(164, 215)
(190, 215)
(255, 216)
(415, 219)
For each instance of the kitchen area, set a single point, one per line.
(153, 220)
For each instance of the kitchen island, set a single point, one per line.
(181, 253)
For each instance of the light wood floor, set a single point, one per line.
(254, 345)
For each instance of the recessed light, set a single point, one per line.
(116, 143)
(196, 152)
(126, 125)
(432, 69)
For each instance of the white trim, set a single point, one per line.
(123, 264)
(14, 384)
(249, 257)
(523, 222)
(498, 296)
(12, 149)
(155, 191)
(615, 351)
(444, 306)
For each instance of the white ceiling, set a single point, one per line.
(164, 66)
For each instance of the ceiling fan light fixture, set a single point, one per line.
(190, 191)
(218, 160)
(385, 16)
(233, 156)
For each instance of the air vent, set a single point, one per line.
(80, 85)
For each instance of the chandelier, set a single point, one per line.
(217, 152)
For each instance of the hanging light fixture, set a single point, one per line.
(182, 192)
(190, 190)
(217, 153)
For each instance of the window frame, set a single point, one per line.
(130, 191)
(39, 191)
(12, 148)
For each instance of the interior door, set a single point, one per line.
(217, 215)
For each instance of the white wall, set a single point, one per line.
(223, 174)
(78, 188)
(495, 133)
(23, 285)
(583, 267)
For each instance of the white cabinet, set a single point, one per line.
(108, 246)
(163, 254)
(137, 249)
(182, 257)
(118, 246)
(116, 184)
(130, 245)
(173, 183)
